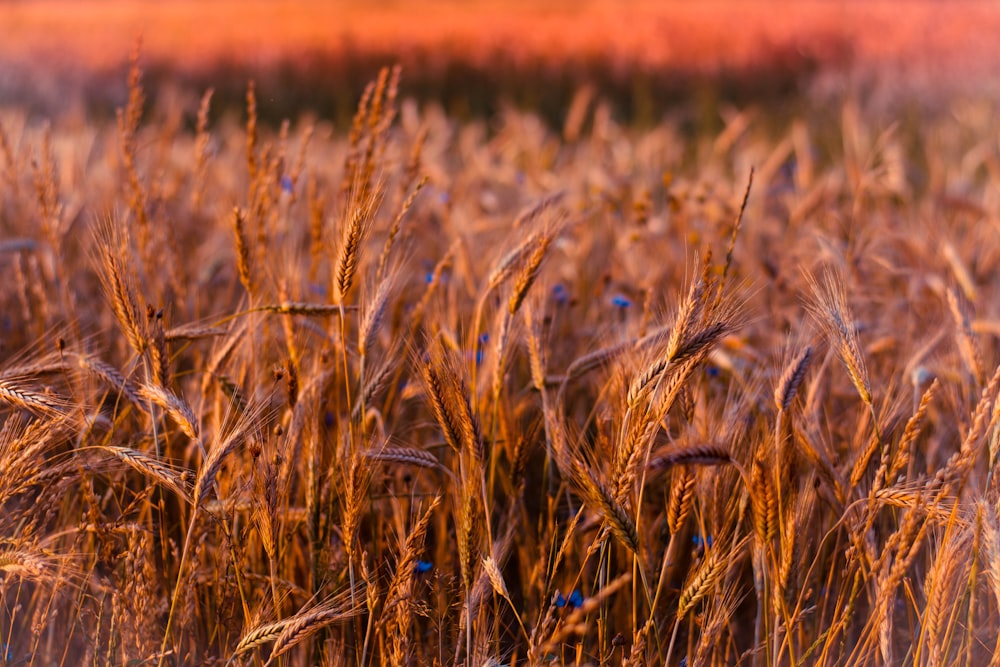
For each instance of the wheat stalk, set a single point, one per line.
(154, 468)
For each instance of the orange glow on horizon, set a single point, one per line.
(699, 36)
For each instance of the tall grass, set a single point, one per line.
(413, 392)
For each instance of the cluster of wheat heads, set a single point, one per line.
(424, 393)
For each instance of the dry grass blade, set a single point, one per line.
(377, 381)
(120, 282)
(242, 247)
(679, 357)
(912, 498)
(468, 520)
(576, 622)
(791, 378)
(446, 385)
(526, 276)
(601, 499)
(110, 376)
(151, 467)
(202, 140)
(364, 203)
(962, 274)
(681, 499)
(719, 614)
(707, 454)
(441, 405)
(406, 456)
(302, 308)
(260, 635)
(192, 332)
(709, 574)
(526, 217)
(860, 467)
(831, 311)
(985, 417)
(496, 578)
(592, 360)
(394, 229)
(536, 351)
(374, 313)
(910, 433)
(243, 428)
(29, 565)
(509, 263)
(763, 498)
(400, 589)
(308, 623)
(175, 406)
(499, 586)
(968, 346)
(688, 315)
(700, 341)
(20, 395)
(991, 549)
(732, 241)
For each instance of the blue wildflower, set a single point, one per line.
(713, 371)
(560, 294)
(620, 301)
(483, 339)
(287, 184)
(575, 600)
(700, 541)
(423, 566)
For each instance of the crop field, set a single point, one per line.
(717, 386)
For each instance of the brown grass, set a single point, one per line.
(427, 393)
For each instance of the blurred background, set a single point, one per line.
(473, 57)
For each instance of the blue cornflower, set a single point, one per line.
(575, 600)
(483, 339)
(620, 301)
(287, 184)
(560, 294)
(700, 541)
(422, 566)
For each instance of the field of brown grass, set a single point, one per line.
(418, 391)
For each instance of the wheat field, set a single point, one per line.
(421, 392)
